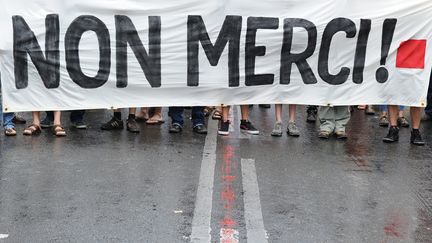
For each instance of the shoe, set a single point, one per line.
(247, 127)
(324, 134)
(293, 130)
(19, 120)
(132, 125)
(277, 130)
(46, 123)
(403, 122)
(113, 124)
(416, 138)
(392, 136)
(265, 106)
(79, 125)
(224, 128)
(312, 112)
(369, 110)
(384, 122)
(175, 128)
(200, 129)
(341, 135)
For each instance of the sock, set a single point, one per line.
(131, 116)
(118, 115)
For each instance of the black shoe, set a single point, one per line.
(248, 127)
(200, 129)
(132, 125)
(312, 112)
(175, 128)
(224, 128)
(392, 136)
(19, 120)
(46, 123)
(113, 124)
(265, 106)
(416, 138)
(79, 125)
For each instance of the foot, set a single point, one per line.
(265, 106)
(384, 122)
(416, 138)
(46, 123)
(392, 136)
(277, 130)
(10, 132)
(247, 127)
(403, 122)
(58, 131)
(79, 125)
(293, 130)
(156, 119)
(369, 110)
(324, 134)
(19, 120)
(200, 129)
(341, 135)
(32, 130)
(175, 128)
(113, 124)
(224, 128)
(132, 125)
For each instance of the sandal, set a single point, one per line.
(58, 131)
(217, 115)
(10, 132)
(207, 111)
(155, 120)
(361, 107)
(32, 130)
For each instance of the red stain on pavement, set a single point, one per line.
(397, 226)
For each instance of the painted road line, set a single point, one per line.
(253, 213)
(4, 236)
(201, 229)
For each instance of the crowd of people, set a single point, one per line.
(332, 120)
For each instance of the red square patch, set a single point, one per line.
(411, 54)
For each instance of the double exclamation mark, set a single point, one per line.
(382, 74)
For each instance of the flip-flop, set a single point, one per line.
(155, 121)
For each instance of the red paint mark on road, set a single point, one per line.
(397, 225)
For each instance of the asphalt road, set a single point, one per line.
(96, 186)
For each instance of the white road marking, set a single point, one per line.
(252, 203)
(229, 235)
(4, 236)
(201, 229)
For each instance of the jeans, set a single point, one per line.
(75, 116)
(384, 108)
(428, 109)
(6, 118)
(176, 114)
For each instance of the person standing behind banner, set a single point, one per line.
(292, 129)
(7, 120)
(198, 122)
(393, 134)
(76, 118)
(333, 121)
(35, 128)
(245, 124)
(428, 110)
(116, 122)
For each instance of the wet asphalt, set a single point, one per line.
(95, 186)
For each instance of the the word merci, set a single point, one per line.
(48, 63)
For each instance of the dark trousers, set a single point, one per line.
(428, 109)
(75, 116)
(176, 114)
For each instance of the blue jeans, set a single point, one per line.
(6, 118)
(176, 114)
(384, 108)
(75, 116)
(428, 109)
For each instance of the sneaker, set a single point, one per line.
(247, 127)
(46, 123)
(416, 138)
(384, 122)
(277, 130)
(132, 125)
(265, 106)
(200, 129)
(392, 136)
(19, 120)
(324, 134)
(113, 124)
(224, 128)
(79, 125)
(293, 130)
(403, 122)
(175, 128)
(341, 135)
(312, 112)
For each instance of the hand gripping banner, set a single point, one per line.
(76, 54)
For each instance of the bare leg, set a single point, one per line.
(225, 113)
(292, 113)
(244, 112)
(132, 111)
(36, 118)
(57, 118)
(278, 112)
(393, 111)
(415, 117)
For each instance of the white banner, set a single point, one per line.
(74, 54)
